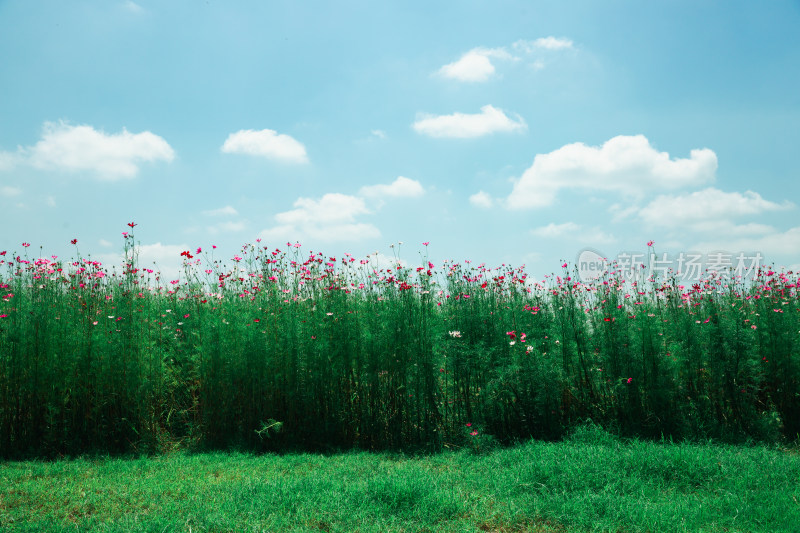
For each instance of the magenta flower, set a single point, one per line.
(650, 243)
(25, 244)
(630, 379)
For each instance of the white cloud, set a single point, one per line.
(573, 231)
(8, 160)
(771, 244)
(222, 211)
(133, 7)
(481, 199)
(552, 43)
(266, 143)
(707, 207)
(8, 191)
(625, 164)
(164, 258)
(50, 201)
(553, 230)
(475, 65)
(231, 226)
(331, 218)
(402, 187)
(460, 125)
(82, 148)
(380, 134)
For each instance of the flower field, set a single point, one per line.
(282, 348)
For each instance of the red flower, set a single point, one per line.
(74, 241)
(131, 224)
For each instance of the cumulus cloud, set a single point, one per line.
(771, 243)
(82, 148)
(266, 143)
(331, 218)
(162, 258)
(546, 43)
(706, 208)
(402, 187)
(573, 231)
(475, 65)
(133, 7)
(9, 191)
(481, 199)
(460, 125)
(625, 164)
(712, 217)
(221, 211)
(229, 226)
(8, 161)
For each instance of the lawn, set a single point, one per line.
(589, 482)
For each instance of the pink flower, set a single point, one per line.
(473, 433)
(186, 315)
(630, 379)
(3, 316)
(469, 424)
(25, 244)
(425, 243)
(564, 265)
(511, 334)
(650, 243)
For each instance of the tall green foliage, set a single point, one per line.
(283, 350)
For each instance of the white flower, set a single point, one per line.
(455, 334)
(512, 343)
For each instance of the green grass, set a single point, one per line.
(590, 482)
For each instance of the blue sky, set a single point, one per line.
(516, 132)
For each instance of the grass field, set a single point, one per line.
(589, 482)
